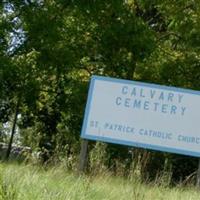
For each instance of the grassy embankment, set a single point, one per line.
(20, 182)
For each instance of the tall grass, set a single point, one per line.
(23, 182)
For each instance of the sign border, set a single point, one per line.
(132, 143)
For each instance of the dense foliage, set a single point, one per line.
(49, 50)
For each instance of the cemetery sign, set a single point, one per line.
(143, 115)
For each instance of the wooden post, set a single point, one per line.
(198, 175)
(83, 156)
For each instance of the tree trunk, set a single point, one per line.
(131, 71)
(13, 130)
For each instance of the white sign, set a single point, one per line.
(143, 115)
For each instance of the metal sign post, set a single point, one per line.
(83, 156)
(198, 175)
